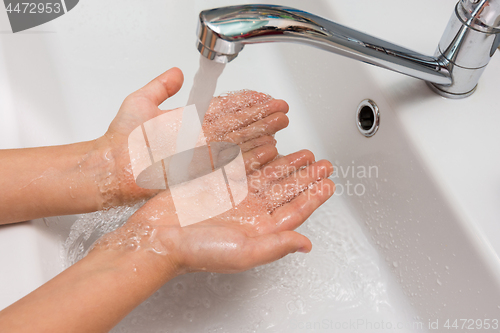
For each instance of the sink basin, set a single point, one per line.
(412, 242)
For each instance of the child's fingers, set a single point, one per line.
(270, 247)
(162, 87)
(259, 156)
(292, 214)
(261, 141)
(243, 118)
(281, 168)
(267, 126)
(288, 188)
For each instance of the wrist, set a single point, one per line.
(148, 237)
(114, 180)
(101, 160)
(135, 257)
(140, 266)
(96, 170)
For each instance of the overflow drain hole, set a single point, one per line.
(368, 118)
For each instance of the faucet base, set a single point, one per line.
(449, 95)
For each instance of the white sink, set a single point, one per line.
(420, 245)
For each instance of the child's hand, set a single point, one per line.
(251, 127)
(282, 195)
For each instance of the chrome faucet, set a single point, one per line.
(468, 43)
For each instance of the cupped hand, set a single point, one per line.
(251, 122)
(282, 195)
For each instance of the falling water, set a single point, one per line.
(205, 82)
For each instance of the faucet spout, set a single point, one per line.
(223, 32)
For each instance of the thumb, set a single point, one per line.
(163, 87)
(267, 248)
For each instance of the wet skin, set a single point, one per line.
(101, 289)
